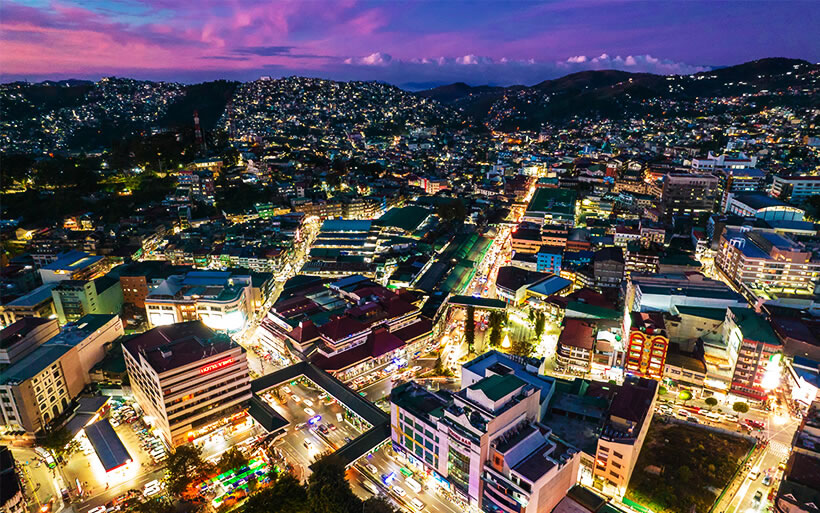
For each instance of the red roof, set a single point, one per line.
(417, 329)
(341, 327)
(577, 333)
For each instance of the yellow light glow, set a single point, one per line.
(506, 343)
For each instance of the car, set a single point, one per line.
(370, 487)
(323, 429)
(308, 444)
(732, 418)
(308, 402)
(98, 509)
(310, 412)
(754, 474)
(684, 414)
(758, 496)
(693, 420)
(417, 504)
(295, 398)
(713, 416)
(756, 424)
(781, 465)
(286, 389)
(767, 480)
(372, 468)
(398, 490)
(331, 426)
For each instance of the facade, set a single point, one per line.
(24, 336)
(795, 189)
(40, 386)
(37, 303)
(608, 267)
(73, 265)
(549, 259)
(486, 443)
(688, 195)
(74, 299)
(648, 344)
(221, 300)
(758, 350)
(624, 431)
(767, 260)
(575, 346)
(188, 378)
(12, 499)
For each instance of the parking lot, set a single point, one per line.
(318, 423)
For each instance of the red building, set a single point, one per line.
(648, 344)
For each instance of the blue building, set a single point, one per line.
(549, 259)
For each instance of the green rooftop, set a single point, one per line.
(405, 218)
(754, 327)
(497, 386)
(556, 202)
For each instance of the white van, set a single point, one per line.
(339, 417)
(370, 487)
(754, 474)
(417, 504)
(412, 484)
(713, 416)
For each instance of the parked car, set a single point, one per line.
(767, 480)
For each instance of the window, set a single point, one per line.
(618, 455)
(614, 474)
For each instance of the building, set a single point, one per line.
(484, 444)
(799, 490)
(662, 292)
(37, 303)
(575, 346)
(688, 195)
(761, 260)
(624, 431)
(220, 299)
(40, 386)
(762, 206)
(723, 163)
(552, 206)
(608, 267)
(76, 298)
(647, 344)
(24, 336)
(73, 265)
(739, 181)
(187, 378)
(347, 327)
(795, 189)
(548, 259)
(12, 499)
(759, 352)
(512, 283)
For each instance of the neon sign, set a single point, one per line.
(216, 365)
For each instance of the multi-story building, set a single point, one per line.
(688, 195)
(485, 444)
(40, 386)
(647, 344)
(575, 346)
(739, 181)
(346, 327)
(608, 267)
(767, 260)
(220, 299)
(24, 336)
(548, 259)
(624, 431)
(723, 163)
(757, 365)
(662, 292)
(552, 206)
(12, 499)
(37, 303)
(762, 206)
(187, 378)
(795, 189)
(76, 298)
(73, 265)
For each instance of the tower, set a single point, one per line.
(198, 132)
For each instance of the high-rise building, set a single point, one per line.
(795, 188)
(688, 195)
(187, 378)
(755, 347)
(75, 298)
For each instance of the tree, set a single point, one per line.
(662, 391)
(540, 324)
(286, 495)
(328, 491)
(684, 395)
(231, 459)
(377, 505)
(155, 505)
(185, 466)
(711, 402)
(57, 441)
(469, 328)
(741, 407)
(521, 347)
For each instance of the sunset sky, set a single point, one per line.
(411, 44)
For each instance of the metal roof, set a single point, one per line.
(107, 445)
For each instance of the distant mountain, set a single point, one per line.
(614, 93)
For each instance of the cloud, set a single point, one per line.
(264, 51)
(577, 59)
(374, 59)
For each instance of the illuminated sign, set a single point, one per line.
(216, 365)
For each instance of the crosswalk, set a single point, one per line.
(779, 449)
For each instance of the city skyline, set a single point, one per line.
(411, 45)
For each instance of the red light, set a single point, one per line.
(216, 365)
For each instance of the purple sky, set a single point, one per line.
(409, 43)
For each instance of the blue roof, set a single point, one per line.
(72, 260)
(35, 297)
(550, 285)
(346, 225)
(107, 445)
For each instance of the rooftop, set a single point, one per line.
(172, 346)
(107, 445)
(497, 387)
(19, 329)
(754, 326)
